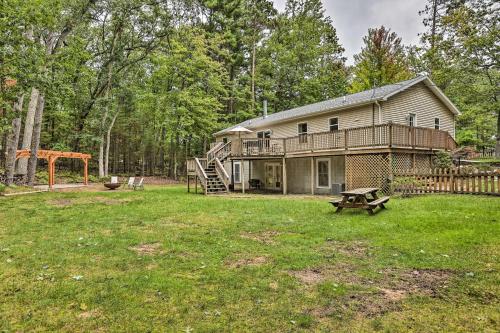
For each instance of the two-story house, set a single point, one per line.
(358, 140)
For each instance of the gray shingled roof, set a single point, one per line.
(362, 97)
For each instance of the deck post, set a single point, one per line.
(188, 181)
(312, 175)
(242, 177)
(283, 174)
(196, 184)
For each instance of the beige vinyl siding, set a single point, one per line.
(355, 117)
(421, 101)
(418, 99)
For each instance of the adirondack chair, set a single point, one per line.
(114, 180)
(131, 181)
(140, 185)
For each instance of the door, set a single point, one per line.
(273, 176)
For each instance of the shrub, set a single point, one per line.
(442, 160)
(2, 188)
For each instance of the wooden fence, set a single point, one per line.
(459, 181)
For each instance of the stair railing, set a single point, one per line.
(211, 152)
(222, 173)
(200, 172)
(221, 152)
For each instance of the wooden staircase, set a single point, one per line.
(214, 184)
(210, 171)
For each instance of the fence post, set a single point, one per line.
(452, 181)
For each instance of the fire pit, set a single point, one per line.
(112, 186)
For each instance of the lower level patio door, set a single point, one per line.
(273, 176)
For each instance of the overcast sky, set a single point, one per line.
(352, 18)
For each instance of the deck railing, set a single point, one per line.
(385, 135)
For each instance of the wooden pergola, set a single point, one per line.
(51, 156)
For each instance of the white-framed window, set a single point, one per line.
(437, 123)
(412, 119)
(264, 134)
(237, 171)
(302, 131)
(334, 124)
(323, 173)
(224, 140)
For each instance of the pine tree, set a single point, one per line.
(381, 61)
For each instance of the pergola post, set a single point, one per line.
(51, 174)
(86, 171)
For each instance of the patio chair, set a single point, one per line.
(140, 185)
(114, 180)
(130, 183)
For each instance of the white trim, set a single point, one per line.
(439, 123)
(264, 131)
(301, 123)
(338, 123)
(234, 174)
(329, 172)
(415, 122)
(274, 165)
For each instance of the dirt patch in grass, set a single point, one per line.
(111, 201)
(89, 314)
(147, 249)
(424, 281)
(339, 272)
(244, 262)
(61, 202)
(384, 294)
(356, 249)
(265, 237)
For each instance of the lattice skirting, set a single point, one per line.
(373, 170)
(367, 170)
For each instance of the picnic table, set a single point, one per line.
(361, 198)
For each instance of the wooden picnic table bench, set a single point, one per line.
(361, 198)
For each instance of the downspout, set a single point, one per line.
(379, 112)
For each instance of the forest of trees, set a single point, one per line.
(143, 84)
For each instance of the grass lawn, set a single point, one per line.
(164, 260)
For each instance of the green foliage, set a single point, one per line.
(2, 188)
(382, 61)
(442, 159)
(461, 53)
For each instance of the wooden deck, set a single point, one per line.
(378, 138)
(370, 137)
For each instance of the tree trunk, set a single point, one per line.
(108, 140)
(497, 147)
(254, 50)
(35, 139)
(22, 165)
(13, 141)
